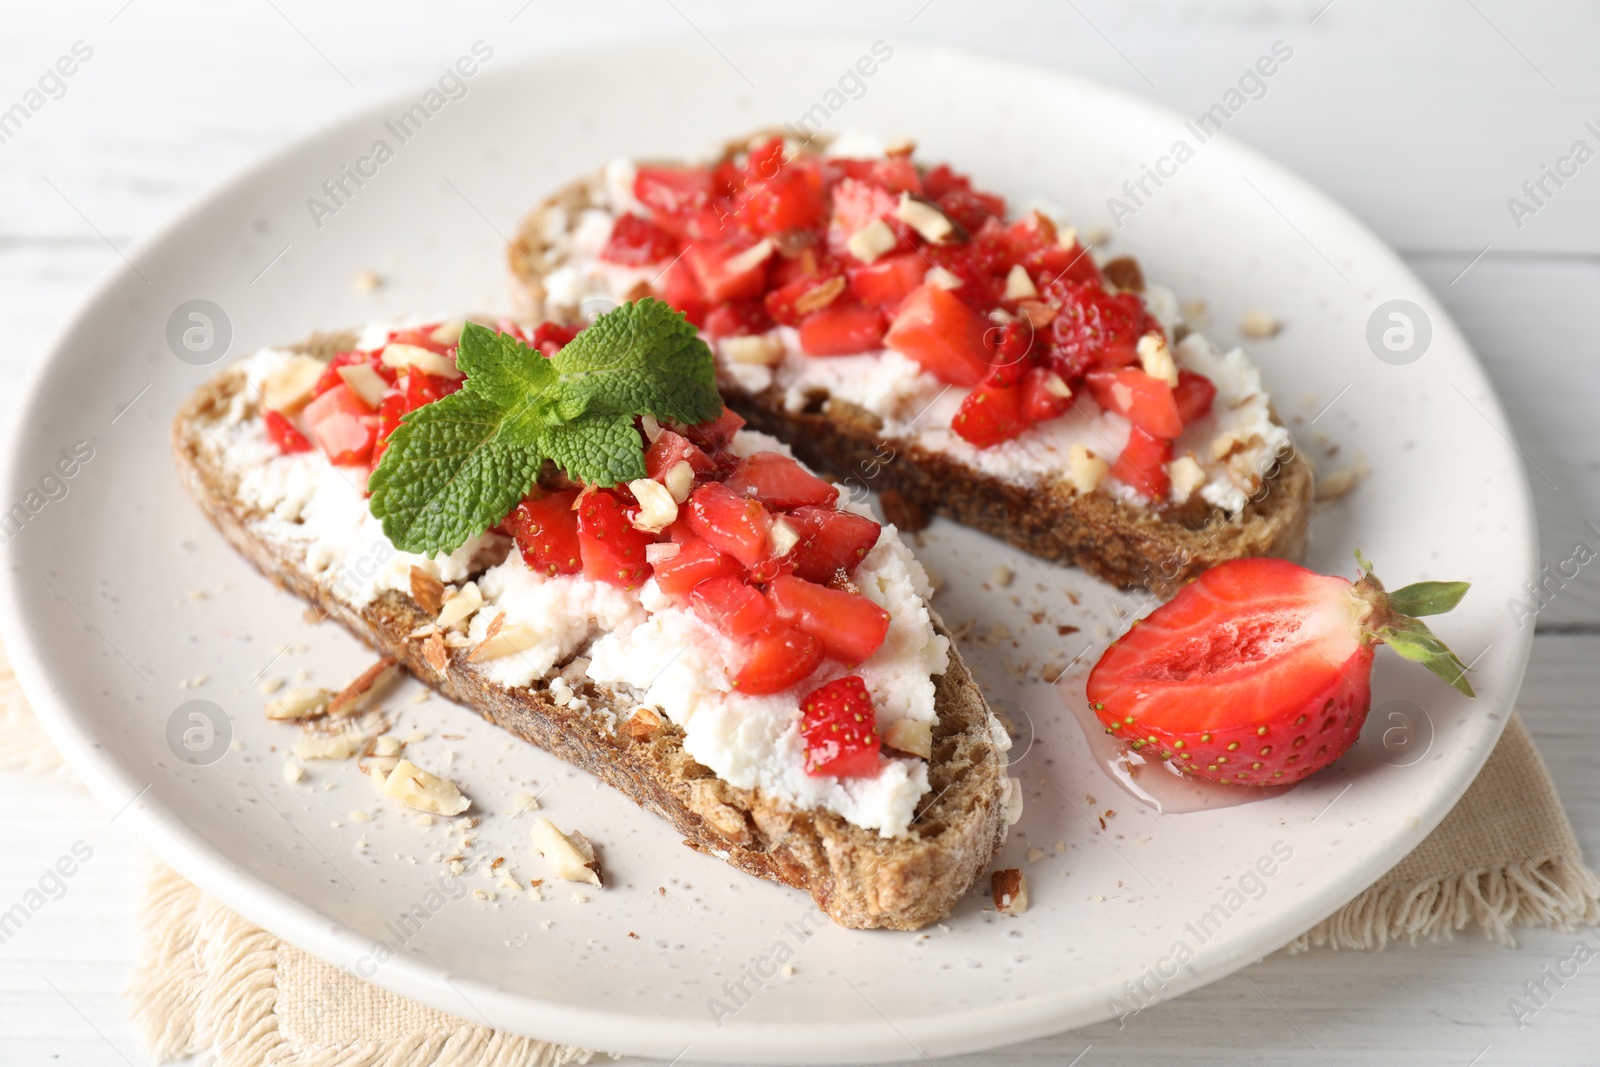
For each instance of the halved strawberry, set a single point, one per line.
(731, 607)
(840, 728)
(830, 541)
(850, 627)
(779, 482)
(1193, 395)
(775, 659)
(990, 414)
(612, 550)
(696, 562)
(1145, 400)
(841, 330)
(1259, 671)
(937, 330)
(1142, 465)
(732, 524)
(283, 433)
(546, 530)
(342, 426)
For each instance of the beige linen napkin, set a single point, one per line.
(212, 984)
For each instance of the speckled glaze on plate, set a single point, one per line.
(117, 595)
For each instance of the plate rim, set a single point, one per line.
(167, 834)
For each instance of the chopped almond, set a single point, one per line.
(426, 360)
(507, 641)
(364, 382)
(1124, 273)
(416, 788)
(758, 348)
(1009, 888)
(433, 651)
(871, 241)
(751, 258)
(288, 389)
(1085, 469)
(680, 480)
(1258, 325)
(302, 702)
(458, 606)
(328, 746)
(657, 508)
(783, 537)
(1186, 475)
(1156, 358)
(448, 332)
(820, 297)
(1018, 285)
(570, 855)
(365, 688)
(427, 590)
(643, 724)
(912, 736)
(944, 279)
(926, 218)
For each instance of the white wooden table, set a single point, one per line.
(1423, 122)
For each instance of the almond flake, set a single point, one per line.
(434, 652)
(508, 641)
(1156, 358)
(758, 348)
(820, 296)
(288, 389)
(399, 356)
(871, 241)
(657, 508)
(327, 746)
(643, 724)
(427, 591)
(1085, 469)
(1018, 285)
(367, 687)
(679, 480)
(302, 702)
(416, 788)
(926, 218)
(912, 736)
(364, 382)
(571, 855)
(459, 604)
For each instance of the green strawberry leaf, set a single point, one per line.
(1412, 639)
(1428, 598)
(456, 466)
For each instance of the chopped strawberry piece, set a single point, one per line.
(732, 524)
(416, 336)
(331, 379)
(716, 434)
(977, 270)
(550, 337)
(970, 210)
(840, 728)
(841, 330)
(887, 280)
(990, 414)
(723, 272)
(283, 433)
(1146, 401)
(856, 205)
(1094, 326)
(1194, 395)
(1012, 356)
(635, 241)
(678, 287)
(937, 330)
(545, 528)
(611, 549)
(390, 409)
(737, 318)
(1044, 395)
(696, 562)
(673, 194)
(850, 627)
(897, 174)
(775, 659)
(342, 426)
(779, 482)
(423, 388)
(810, 291)
(1142, 465)
(731, 607)
(830, 541)
(668, 450)
(789, 200)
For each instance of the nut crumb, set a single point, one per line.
(1035, 855)
(293, 772)
(1259, 325)
(365, 282)
(360, 816)
(1009, 888)
(1002, 576)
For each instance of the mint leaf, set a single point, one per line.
(456, 466)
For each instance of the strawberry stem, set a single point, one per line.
(1391, 619)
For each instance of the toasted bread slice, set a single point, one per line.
(1123, 543)
(857, 877)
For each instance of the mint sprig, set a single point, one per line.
(458, 465)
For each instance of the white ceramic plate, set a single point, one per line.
(103, 613)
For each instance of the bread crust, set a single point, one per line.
(1121, 543)
(858, 878)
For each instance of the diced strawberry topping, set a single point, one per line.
(635, 241)
(390, 409)
(775, 659)
(1193, 395)
(1044, 395)
(342, 426)
(790, 200)
(1094, 326)
(724, 273)
(424, 388)
(1145, 401)
(1142, 465)
(545, 527)
(779, 482)
(841, 330)
(696, 562)
(550, 338)
(888, 280)
(715, 435)
(937, 330)
(671, 448)
(737, 318)
(850, 627)
(731, 607)
(990, 414)
(840, 728)
(611, 549)
(732, 524)
(830, 541)
(283, 433)
(673, 193)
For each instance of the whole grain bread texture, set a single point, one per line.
(858, 878)
(1122, 543)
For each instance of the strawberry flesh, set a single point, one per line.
(775, 659)
(546, 530)
(611, 549)
(840, 729)
(850, 627)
